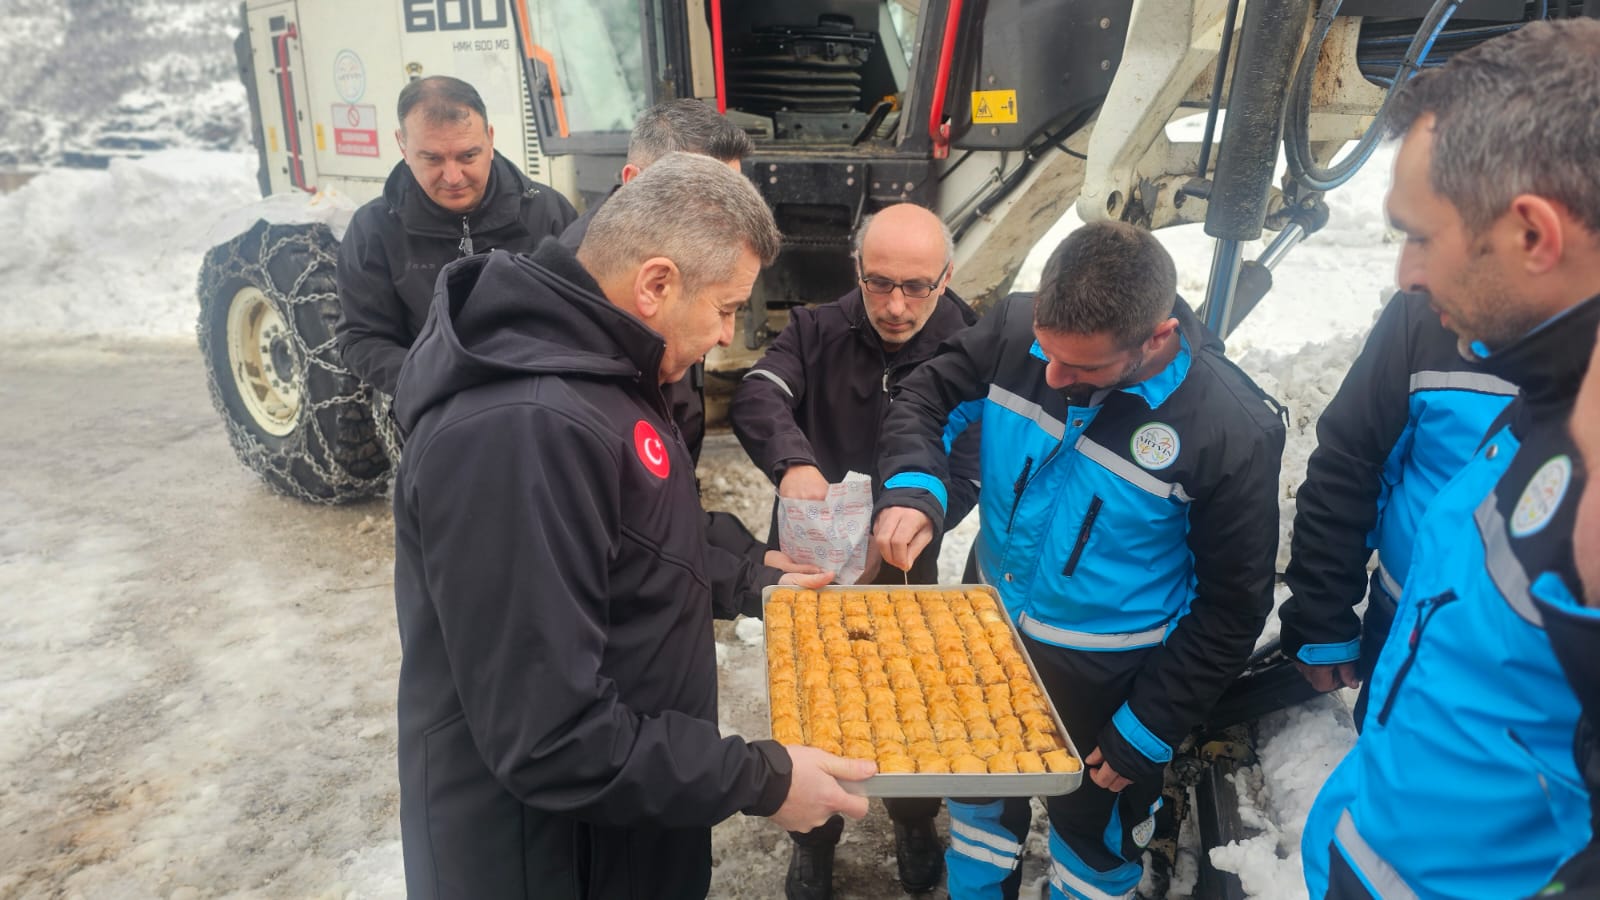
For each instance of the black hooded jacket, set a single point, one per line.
(397, 243)
(686, 398)
(554, 587)
(820, 394)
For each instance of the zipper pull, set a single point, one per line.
(465, 247)
(886, 379)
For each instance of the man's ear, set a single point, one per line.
(1536, 232)
(655, 285)
(630, 172)
(400, 140)
(1162, 334)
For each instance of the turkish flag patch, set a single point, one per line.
(651, 449)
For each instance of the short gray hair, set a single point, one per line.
(685, 125)
(1519, 114)
(688, 208)
(1107, 278)
(860, 237)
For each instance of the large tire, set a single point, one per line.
(294, 413)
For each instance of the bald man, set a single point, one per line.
(809, 412)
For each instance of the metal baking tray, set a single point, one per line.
(957, 785)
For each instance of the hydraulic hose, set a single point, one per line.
(1303, 167)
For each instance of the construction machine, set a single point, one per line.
(999, 115)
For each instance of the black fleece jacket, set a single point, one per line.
(396, 244)
(554, 587)
(820, 394)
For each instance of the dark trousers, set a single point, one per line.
(905, 810)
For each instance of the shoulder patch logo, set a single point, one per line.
(1542, 497)
(1155, 445)
(1144, 831)
(651, 449)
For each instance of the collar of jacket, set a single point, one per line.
(951, 315)
(1155, 390)
(1547, 363)
(501, 204)
(501, 315)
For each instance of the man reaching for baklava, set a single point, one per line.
(808, 414)
(1129, 523)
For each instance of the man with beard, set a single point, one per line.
(1129, 524)
(558, 676)
(1463, 783)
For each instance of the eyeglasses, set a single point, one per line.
(915, 289)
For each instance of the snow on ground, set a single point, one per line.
(113, 254)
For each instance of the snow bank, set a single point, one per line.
(115, 252)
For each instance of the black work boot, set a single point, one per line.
(920, 855)
(810, 871)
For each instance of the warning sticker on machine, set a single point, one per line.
(355, 129)
(994, 107)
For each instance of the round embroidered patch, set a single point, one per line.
(1144, 831)
(1155, 445)
(652, 451)
(1542, 497)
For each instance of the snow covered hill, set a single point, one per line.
(90, 81)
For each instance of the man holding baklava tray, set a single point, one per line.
(1129, 523)
(558, 678)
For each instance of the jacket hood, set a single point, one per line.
(502, 316)
(500, 206)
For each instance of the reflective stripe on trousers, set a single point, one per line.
(1073, 879)
(982, 852)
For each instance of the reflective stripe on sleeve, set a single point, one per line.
(772, 377)
(1373, 868)
(1027, 409)
(1477, 382)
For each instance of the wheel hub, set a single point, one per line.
(264, 362)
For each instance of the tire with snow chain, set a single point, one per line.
(384, 427)
(294, 413)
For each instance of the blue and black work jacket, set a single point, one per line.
(1410, 413)
(1463, 783)
(1146, 519)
